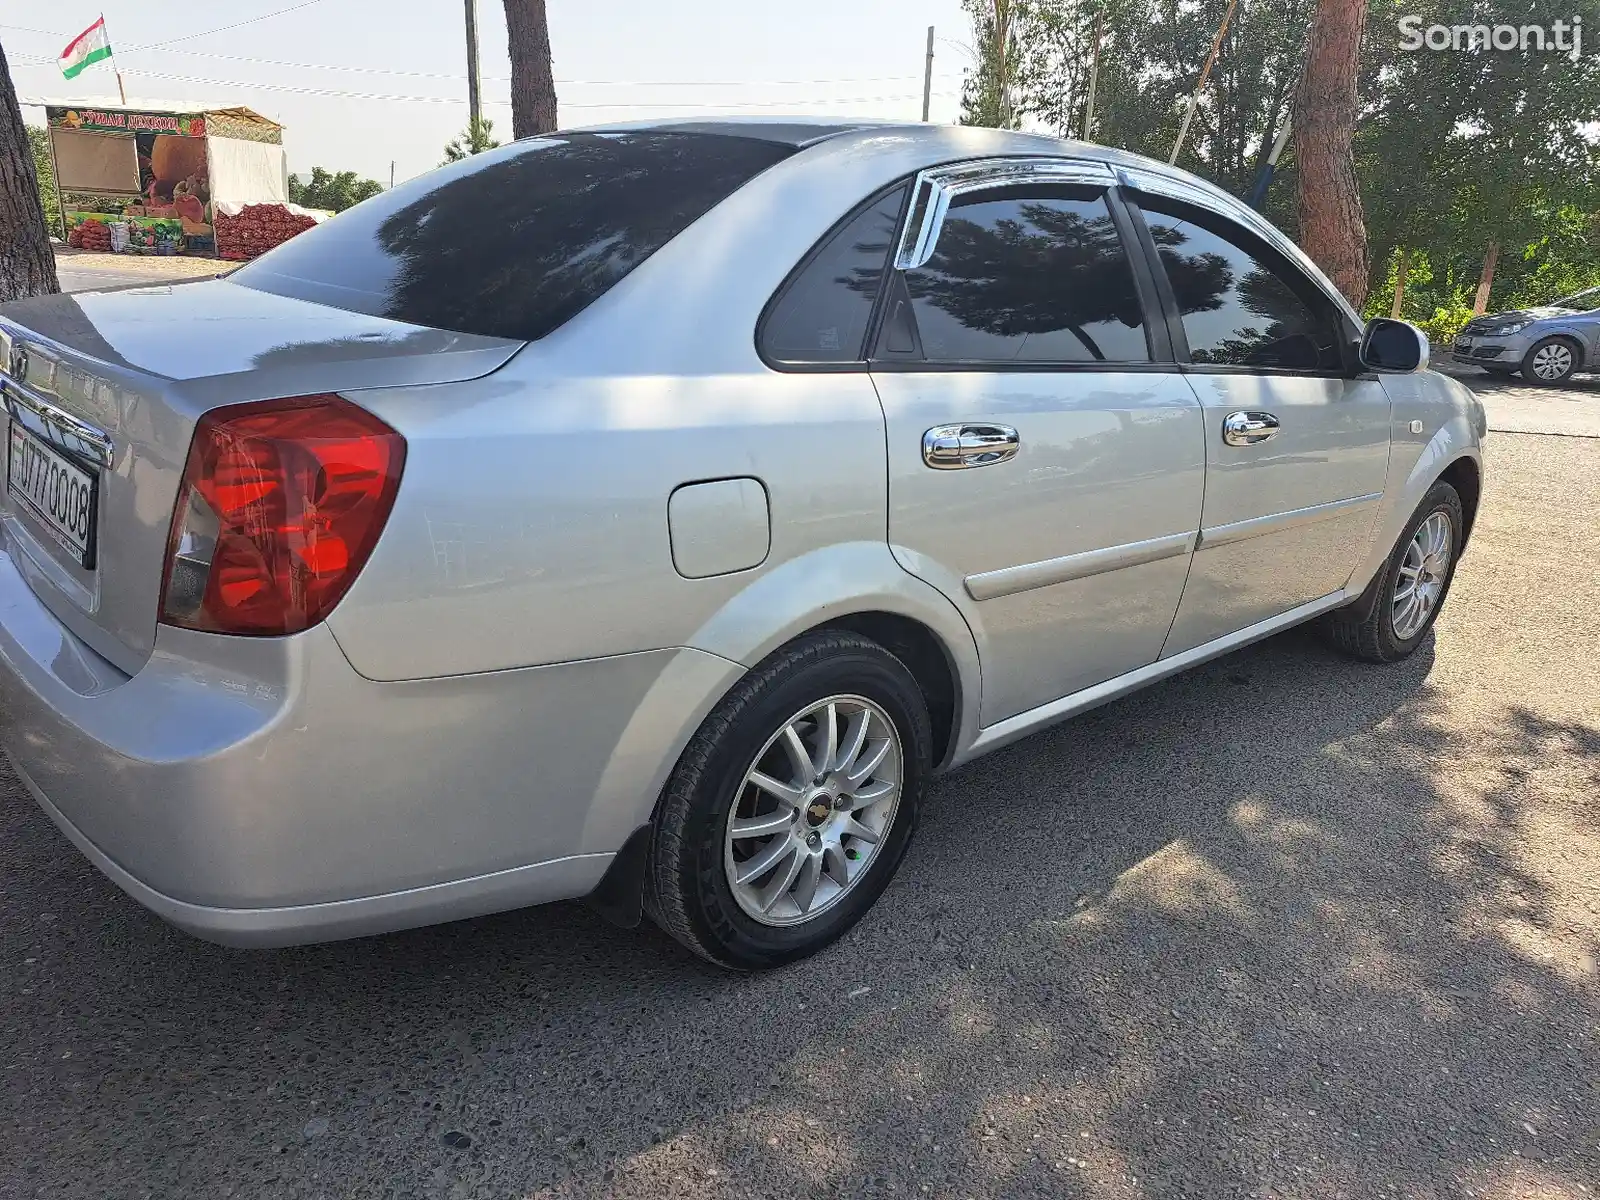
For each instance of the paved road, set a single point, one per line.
(1283, 925)
(1516, 406)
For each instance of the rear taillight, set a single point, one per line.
(280, 505)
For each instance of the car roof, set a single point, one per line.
(820, 136)
(915, 145)
(797, 132)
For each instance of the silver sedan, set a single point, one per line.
(646, 514)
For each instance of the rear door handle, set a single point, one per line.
(970, 444)
(1248, 428)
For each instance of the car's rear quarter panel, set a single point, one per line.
(531, 526)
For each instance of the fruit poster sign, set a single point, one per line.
(93, 120)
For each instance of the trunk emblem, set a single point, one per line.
(19, 363)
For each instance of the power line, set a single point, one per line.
(159, 47)
(189, 37)
(340, 94)
(38, 60)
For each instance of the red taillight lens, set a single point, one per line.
(280, 505)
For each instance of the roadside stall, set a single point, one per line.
(152, 181)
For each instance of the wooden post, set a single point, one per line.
(1205, 72)
(1094, 74)
(474, 103)
(1002, 36)
(1402, 275)
(1480, 304)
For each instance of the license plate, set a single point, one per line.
(55, 491)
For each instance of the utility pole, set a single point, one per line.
(927, 76)
(1094, 73)
(474, 104)
(391, 174)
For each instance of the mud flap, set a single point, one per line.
(619, 896)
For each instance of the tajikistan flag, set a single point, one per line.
(87, 48)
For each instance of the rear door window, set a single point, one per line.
(1029, 274)
(513, 242)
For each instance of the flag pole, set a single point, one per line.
(115, 70)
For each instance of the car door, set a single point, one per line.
(1046, 457)
(1296, 436)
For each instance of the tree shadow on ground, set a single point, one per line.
(1281, 922)
(1581, 387)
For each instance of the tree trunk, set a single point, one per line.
(1402, 276)
(1332, 230)
(533, 86)
(1480, 303)
(27, 264)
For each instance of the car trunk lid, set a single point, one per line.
(102, 392)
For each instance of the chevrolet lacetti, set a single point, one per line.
(645, 514)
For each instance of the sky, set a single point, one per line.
(359, 84)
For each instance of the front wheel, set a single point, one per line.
(1401, 604)
(792, 806)
(1551, 361)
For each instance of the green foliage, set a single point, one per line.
(474, 139)
(1442, 284)
(1457, 149)
(1454, 149)
(1445, 323)
(988, 93)
(84, 202)
(1565, 260)
(1151, 54)
(39, 143)
(334, 191)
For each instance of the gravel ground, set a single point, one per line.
(1284, 925)
(86, 270)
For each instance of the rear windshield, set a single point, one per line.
(513, 242)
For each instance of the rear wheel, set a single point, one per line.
(792, 806)
(1551, 361)
(1395, 613)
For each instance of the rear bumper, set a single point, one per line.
(292, 925)
(261, 792)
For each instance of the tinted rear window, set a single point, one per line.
(516, 241)
(821, 315)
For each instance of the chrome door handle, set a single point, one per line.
(951, 447)
(1248, 428)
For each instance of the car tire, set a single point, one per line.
(714, 827)
(1381, 627)
(1551, 360)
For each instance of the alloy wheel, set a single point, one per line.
(1553, 361)
(813, 809)
(1419, 584)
